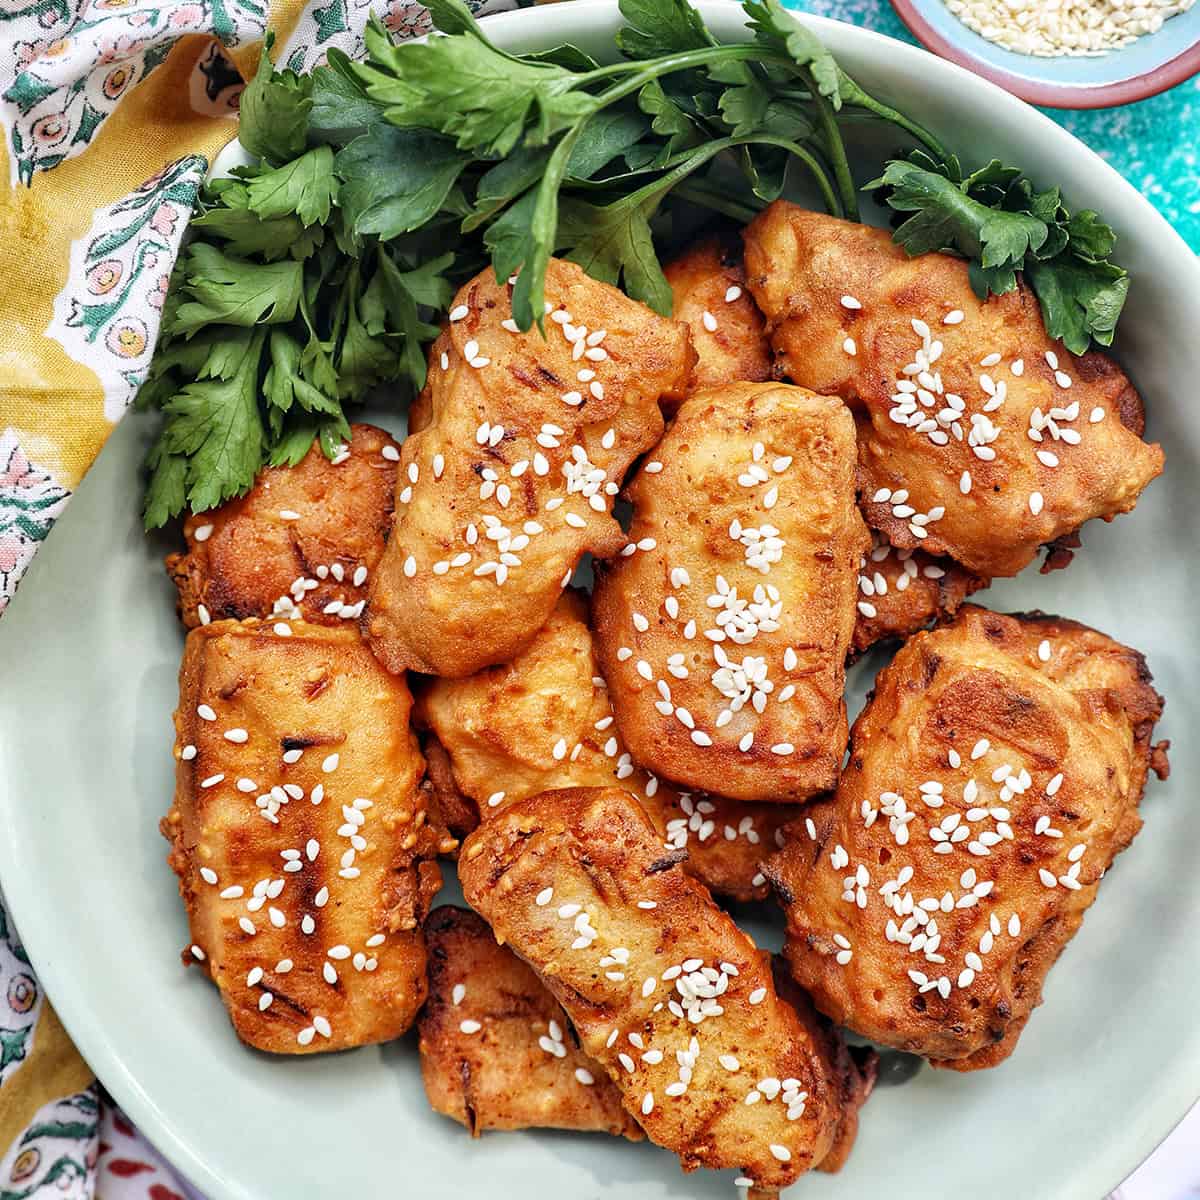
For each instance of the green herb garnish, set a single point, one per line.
(996, 219)
(322, 272)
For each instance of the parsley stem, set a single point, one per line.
(831, 137)
(855, 95)
(685, 59)
(698, 192)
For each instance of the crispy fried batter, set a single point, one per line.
(709, 288)
(497, 1050)
(918, 590)
(854, 1068)
(305, 881)
(448, 806)
(749, 536)
(544, 721)
(649, 969)
(992, 780)
(508, 484)
(1045, 440)
(248, 554)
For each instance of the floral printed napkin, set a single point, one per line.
(111, 112)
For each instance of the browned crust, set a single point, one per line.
(736, 348)
(456, 811)
(683, 515)
(596, 848)
(319, 691)
(500, 1076)
(252, 556)
(498, 730)
(935, 589)
(800, 265)
(431, 616)
(1086, 712)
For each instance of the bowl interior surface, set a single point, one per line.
(1104, 1069)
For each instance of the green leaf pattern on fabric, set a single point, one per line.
(108, 313)
(73, 61)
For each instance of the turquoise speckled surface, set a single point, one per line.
(1155, 144)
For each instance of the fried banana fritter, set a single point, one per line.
(544, 721)
(300, 836)
(723, 637)
(901, 591)
(663, 989)
(301, 543)
(512, 478)
(979, 436)
(709, 288)
(992, 779)
(854, 1068)
(497, 1050)
(448, 806)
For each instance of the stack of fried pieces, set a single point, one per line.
(829, 446)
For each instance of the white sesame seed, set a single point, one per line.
(956, 316)
(781, 1152)
(205, 713)
(851, 303)
(470, 1026)
(850, 346)
(757, 996)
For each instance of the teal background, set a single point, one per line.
(1155, 143)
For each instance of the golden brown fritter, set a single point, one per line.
(663, 989)
(544, 721)
(723, 637)
(300, 836)
(992, 779)
(497, 1050)
(979, 437)
(512, 478)
(728, 332)
(301, 543)
(854, 1068)
(901, 591)
(448, 806)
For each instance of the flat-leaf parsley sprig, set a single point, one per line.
(321, 272)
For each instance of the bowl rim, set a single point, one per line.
(1158, 79)
(26, 903)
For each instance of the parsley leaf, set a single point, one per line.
(223, 289)
(396, 180)
(305, 187)
(273, 110)
(778, 29)
(465, 88)
(217, 424)
(658, 27)
(341, 109)
(997, 219)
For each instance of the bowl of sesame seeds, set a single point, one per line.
(85, 776)
(1064, 53)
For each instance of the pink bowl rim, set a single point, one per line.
(1076, 96)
